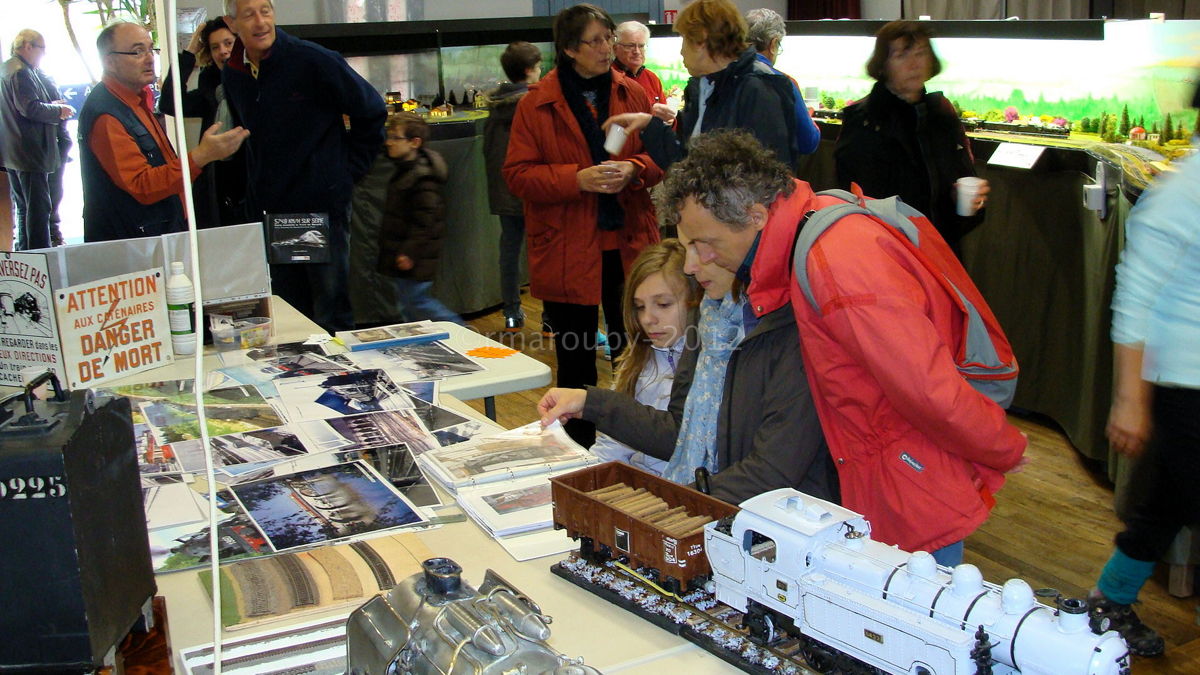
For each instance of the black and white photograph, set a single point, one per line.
(336, 502)
(342, 393)
(372, 430)
(263, 445)
(520, 452)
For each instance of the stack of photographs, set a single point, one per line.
(525, 451)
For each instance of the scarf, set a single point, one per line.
(720, 331)
(588, 100)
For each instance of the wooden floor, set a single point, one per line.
(1052, 526)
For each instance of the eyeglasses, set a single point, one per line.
(632, 46)
(139, 52)
(596, 43)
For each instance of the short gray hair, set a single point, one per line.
(632, 27)
(107, 37)
(726, 171)
(24, 37)
(231, 7)
(765, 26)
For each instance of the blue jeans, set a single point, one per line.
(30, 192)
(321, 291)
(512, 238)
(417, 304)
(949, 555)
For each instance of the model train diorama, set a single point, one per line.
(790, 583)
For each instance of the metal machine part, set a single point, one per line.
(434, 622)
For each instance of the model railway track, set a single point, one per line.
(379, 567)
(256, 591)
(698, 618)
(299, 582)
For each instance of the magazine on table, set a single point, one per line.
(417, 332)
(524, 451)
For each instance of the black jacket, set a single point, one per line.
(29, 124)
(768, 434)
(891, 147)
(302, 157)
(748, 95)
(414, 217)
(502, 106)
(220, 190)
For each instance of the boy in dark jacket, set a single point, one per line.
(522, 63)
(414, 219)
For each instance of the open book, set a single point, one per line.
(525, 451)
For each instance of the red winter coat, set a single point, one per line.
(918, 451)
(545, 151)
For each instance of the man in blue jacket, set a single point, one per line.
(295, 97)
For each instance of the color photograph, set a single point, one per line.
(336, 502)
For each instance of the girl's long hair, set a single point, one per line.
(666, 257)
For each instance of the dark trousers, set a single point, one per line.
(56, 196)
(575, 342)
(321, 291)
(30, 191)
(1166, 483)
(512, 237)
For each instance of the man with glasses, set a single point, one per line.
(30, 119)
(766, 34)
(633, 38)
(132, 178)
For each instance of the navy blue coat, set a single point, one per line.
(302, 159)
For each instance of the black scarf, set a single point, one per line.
(578, 92)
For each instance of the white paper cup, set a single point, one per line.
(615, 140)
(968, 189)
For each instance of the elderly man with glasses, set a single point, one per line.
(132, 177)
(633, 39)
(31, 117)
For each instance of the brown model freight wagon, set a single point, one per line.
(616, 510)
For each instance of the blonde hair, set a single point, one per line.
(23, 38)
(665, 257)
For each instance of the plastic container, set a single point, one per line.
(181, 301)
(253, 332)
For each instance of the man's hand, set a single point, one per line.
(216, 145)
(663, 112)
(561, 404)
(65, 112)
(631, 121)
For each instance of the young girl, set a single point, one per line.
(658, 301)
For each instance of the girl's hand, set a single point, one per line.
(561, 404)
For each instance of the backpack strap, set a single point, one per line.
(891, 211)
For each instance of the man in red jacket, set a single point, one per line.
(633, 38)
(918, 450)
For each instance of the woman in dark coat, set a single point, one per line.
(220, 191)
(902, 140)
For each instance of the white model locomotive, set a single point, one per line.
(794, 562)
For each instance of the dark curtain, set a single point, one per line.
(823, 9)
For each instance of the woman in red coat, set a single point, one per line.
(587, 214)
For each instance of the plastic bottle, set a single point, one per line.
(181, 300)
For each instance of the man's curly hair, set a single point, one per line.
(726, 171)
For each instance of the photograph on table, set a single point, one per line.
(184, 546)
(430, 361)
(417, 332)
(393, 462)
(153, 457)
(369, 430)
(171, 502)
(426, 390)
(461, 433)
(336, 502)
(287, 349)
(324, 578)
(169, 409)
(251, 447)
(343, 393)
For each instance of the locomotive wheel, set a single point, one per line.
(760, 624)
(819, 657)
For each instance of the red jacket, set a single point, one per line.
(649, 81)
(545, 151)
(918, 451)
